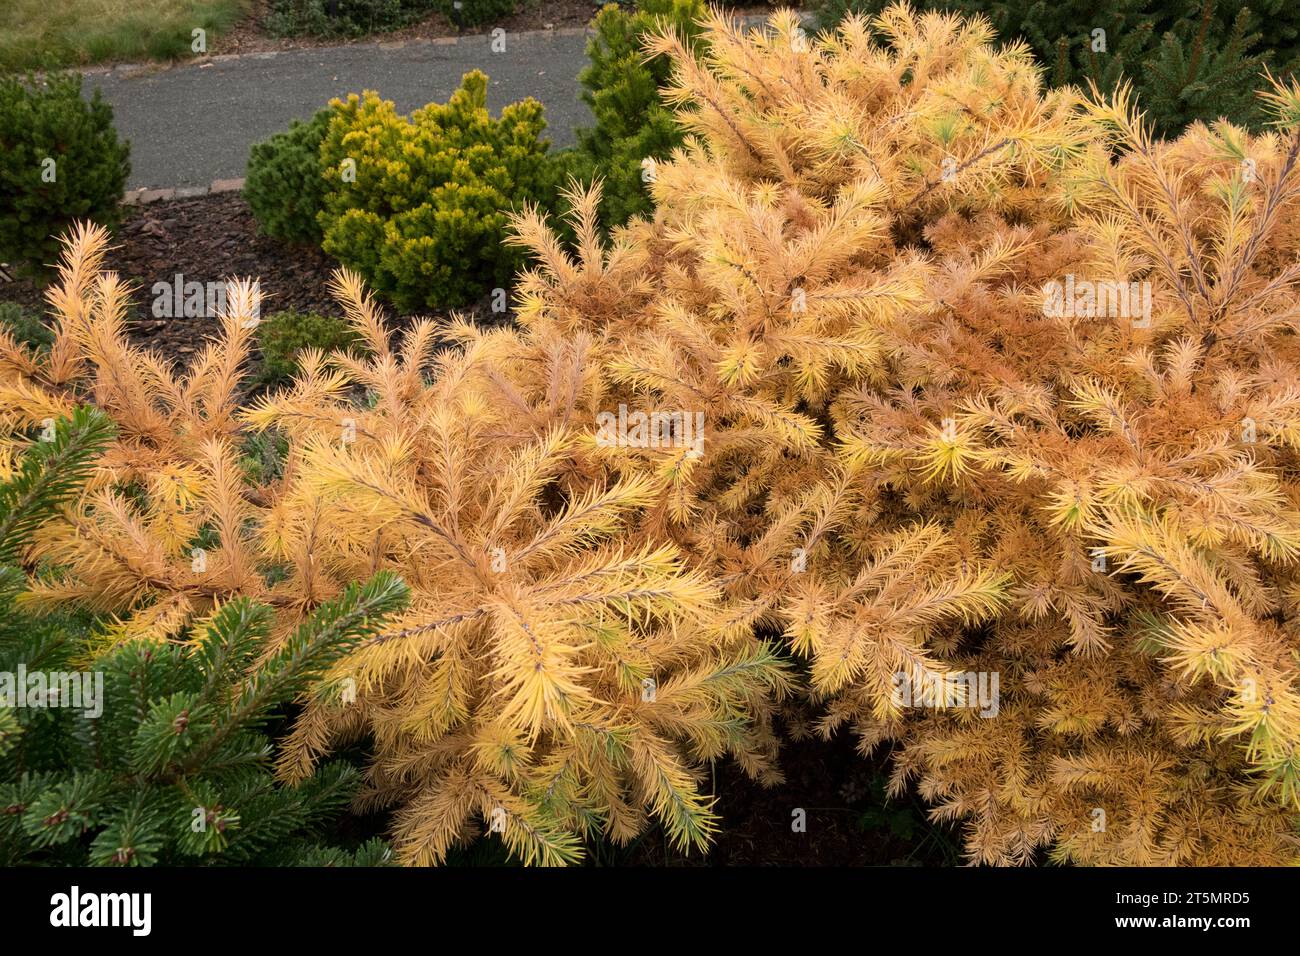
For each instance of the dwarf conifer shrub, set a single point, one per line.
(285, 185)
(419, 205)
(634, 129)
(559, 674)
(62, 161)
(930, 466)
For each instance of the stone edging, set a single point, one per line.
(142, 197)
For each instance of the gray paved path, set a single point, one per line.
(194, 123)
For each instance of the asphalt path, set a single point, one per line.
(193, 123)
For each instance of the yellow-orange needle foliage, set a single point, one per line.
(991, 384)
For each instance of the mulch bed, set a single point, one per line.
(207, 239)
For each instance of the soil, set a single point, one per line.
(846, 819)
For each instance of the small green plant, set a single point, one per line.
(285, 187)
(262, 457)
(419, 206)
(283, 335)
(62, 161)
(902, 819)
(25, 328)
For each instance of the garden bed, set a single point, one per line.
(251, 34)
(206, 239)
(128, 39)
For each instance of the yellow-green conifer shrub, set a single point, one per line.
(982, 402)
(561, 674)
(419, 205)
